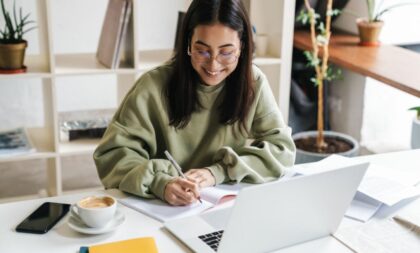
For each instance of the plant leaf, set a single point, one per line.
(416, 108)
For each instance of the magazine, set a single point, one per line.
(15, 142)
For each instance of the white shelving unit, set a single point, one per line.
(272, 17)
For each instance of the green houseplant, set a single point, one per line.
(12, 43)
(315, 145)
(415, 129)
(370, 27)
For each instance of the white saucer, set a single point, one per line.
(77, 225)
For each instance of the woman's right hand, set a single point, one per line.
(180, 192)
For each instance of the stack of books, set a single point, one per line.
(114, 29)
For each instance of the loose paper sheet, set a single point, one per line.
(385, 236)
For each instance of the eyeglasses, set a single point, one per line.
(224, 58)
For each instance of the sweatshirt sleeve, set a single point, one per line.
(123, 157)
(271, 151)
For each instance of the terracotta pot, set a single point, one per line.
(12, 55)
(369, 32)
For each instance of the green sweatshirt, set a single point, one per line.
(131, 156)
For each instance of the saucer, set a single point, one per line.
(77, 225)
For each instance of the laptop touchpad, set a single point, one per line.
(217, 218)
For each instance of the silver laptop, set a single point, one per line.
(274, 215)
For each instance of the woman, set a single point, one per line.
(202, 107)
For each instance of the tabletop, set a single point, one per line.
(61, 238)
(392, 65)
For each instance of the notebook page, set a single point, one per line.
(162, 211)
(217, 194)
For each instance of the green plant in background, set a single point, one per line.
(320, 37)
(14, 27)
(417, 109)
(375, 13)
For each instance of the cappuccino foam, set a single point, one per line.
(94, 202)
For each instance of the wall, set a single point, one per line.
(401, 23)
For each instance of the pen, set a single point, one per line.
(177, 167)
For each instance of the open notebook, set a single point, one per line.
(162, 211)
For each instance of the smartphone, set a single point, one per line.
(43, 218)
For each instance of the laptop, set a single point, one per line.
(274, 215)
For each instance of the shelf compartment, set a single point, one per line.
(34, 69)
(150, 59)
(266, 60)
(84, 63)
(78, 147)
(27, 156)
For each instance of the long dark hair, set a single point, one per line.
(181, 92)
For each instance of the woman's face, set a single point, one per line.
(214, 52)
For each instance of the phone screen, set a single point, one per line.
(43, 218)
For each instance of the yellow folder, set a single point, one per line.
(137, 245)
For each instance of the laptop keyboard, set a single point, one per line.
(212, 239)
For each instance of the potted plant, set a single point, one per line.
(415, 129)
(12, 44)
(316, 145)
(369, 28)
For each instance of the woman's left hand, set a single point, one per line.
(202, 177)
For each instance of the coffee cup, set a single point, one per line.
(95, 211)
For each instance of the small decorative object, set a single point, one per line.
(12, 44)
(370, 27)
(82, 129)
(15, 142)
(261, 44)
(316, 145)
(415, 129)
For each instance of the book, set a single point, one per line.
(113, 30)
(122, 39)
(136, 245)
(163, 212)
(84, 249)
(15, 142)
(180, 19)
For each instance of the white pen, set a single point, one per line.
(177, 167)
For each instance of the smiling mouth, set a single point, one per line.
(212, 73)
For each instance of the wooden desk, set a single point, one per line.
(395, 66)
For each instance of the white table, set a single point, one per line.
(63, 239)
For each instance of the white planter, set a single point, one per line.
(415, 134)
(303, 156)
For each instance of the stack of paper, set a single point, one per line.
(379, 186)
(410, 214)
(384, 236)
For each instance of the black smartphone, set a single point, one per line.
(43, 218)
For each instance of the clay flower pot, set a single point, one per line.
(12, 56)
(369, 32)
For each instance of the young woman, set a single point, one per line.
(202, 107)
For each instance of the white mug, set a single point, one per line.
(95, 211)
